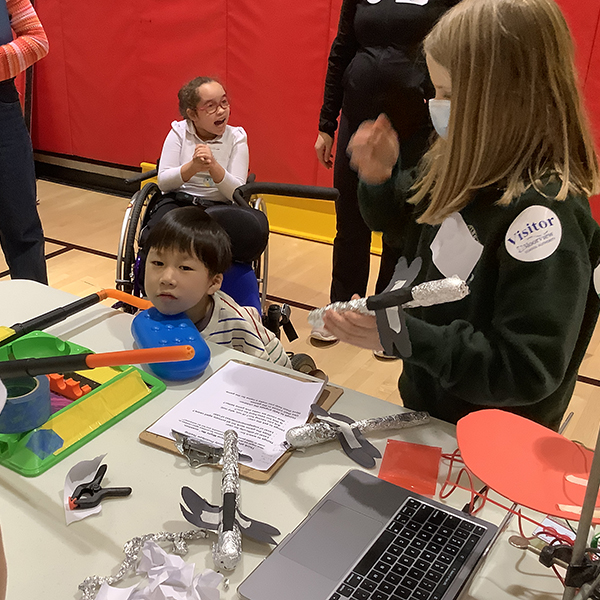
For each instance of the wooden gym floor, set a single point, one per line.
(82, 232)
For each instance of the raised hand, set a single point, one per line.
(374, 150)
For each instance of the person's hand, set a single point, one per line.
(203, 157)
(374, 150)
(353, 328)
(323, 147)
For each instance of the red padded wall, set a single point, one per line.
(107, 90)
(583, 17)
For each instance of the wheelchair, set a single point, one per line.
(245, 221)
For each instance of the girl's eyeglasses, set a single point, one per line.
(210, 108)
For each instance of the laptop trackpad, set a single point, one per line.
(332, 540)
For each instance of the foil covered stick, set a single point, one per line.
(312, 434)
(227, 551)
(429, 293)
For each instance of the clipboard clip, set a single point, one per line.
(199, 454)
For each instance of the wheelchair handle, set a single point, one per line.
(242, 194)
(142, 177)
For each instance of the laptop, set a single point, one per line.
(368, 539)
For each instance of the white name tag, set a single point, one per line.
(534, 235)
(454, 250)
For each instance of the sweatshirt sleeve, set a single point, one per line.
(236, 170)
(539, 307)
(169, 167)
(342, 52)
(30, 45)
(384, 207)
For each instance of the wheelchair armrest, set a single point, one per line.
(142, 177)
(242, 194)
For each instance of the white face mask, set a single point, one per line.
(440, 115)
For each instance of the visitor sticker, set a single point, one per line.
(534, 235)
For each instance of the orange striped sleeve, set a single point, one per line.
(30, 43)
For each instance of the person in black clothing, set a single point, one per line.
(375, 65)
(502, 201)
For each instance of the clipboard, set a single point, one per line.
(327, 399)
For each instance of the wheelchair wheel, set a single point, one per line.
(130, 230)
(303, 363)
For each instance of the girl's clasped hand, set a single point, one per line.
(203, 156)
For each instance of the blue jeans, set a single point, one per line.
(21, 234)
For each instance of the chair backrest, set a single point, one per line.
(248, 230)
(240, 282)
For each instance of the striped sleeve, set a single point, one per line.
(241, 328)
(31, 42)
(273, 348)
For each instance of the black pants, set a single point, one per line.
(351, 247)
(21, 234)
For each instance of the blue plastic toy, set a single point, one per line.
(151, 329)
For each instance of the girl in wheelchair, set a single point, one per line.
(202, 162)
(188, 252)
(202, 155)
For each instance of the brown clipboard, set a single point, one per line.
(328, 397)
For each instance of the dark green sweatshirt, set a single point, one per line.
(517, 340)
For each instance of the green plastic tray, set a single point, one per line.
(68, 429)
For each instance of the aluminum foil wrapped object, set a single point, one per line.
(438, 291)
(359, 305)
(227, 550)
(312, 434)
(429, 293)
(90, 586)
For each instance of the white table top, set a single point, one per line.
(47, 559)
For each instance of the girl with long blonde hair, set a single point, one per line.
(501, 199)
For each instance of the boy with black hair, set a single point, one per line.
(188, 252)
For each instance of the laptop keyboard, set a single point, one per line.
(417, 557)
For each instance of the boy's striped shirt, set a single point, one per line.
(241, 328)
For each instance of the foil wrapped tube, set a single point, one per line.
(438, 291)
(428, 293)
(230, 478)
(359, 305)
(227, 550)
(312, 434)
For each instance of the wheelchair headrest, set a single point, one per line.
(247, 228)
